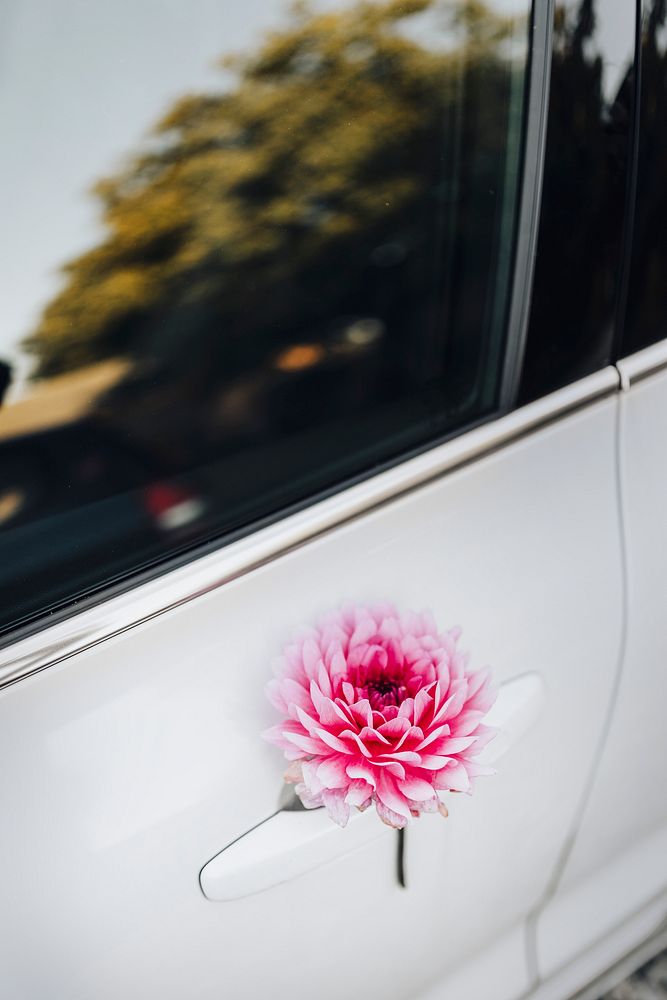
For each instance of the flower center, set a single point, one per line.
(383, 691)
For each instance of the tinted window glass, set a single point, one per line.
(646, 320)
(234, 281)
(579, 261)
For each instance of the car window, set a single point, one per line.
(580, 250)
(647, 292)
(251, 252)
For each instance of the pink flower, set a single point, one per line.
(379, 708)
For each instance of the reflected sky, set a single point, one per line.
(79, 83)
(617, 45)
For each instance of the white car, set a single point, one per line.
(373, 311)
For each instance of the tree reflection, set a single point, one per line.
(332, 187)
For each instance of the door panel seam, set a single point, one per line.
(580, 814)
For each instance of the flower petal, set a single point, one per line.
(308, 800)
(336, 806)
(329, 712)
(362, 712)
(306, 743)
(358, 793)
(422, 702)
(477, 679)
(454, 778)
(350, 734)
(411, 739)
(433, 736)
(483, 735)
(308, 723)
(274, 693)
(454, 703)
(407, 756)
(416, 789)
(407, 709)
(364, 631)
(451, 745)
(372, 735)
(338, 665)
(432, 762)
(324, 681)
(276, 735)
(294, 694)
(311, 657)
(387, 792)
(333, 741)
(310, 779)
(294, 773)
(389, 817)
(466, 723)
(361, 770)
(393, 767)
(476, 770)
(395, 728)
(331, 772)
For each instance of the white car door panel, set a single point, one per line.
(141, 758)
(609, 891)
(619, 860)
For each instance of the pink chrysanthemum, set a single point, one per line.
(379, 708)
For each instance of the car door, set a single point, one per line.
(611, 893)
(306, 305)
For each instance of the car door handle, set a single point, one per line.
(284, 846)
(291, 843)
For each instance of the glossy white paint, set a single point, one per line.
(518, 708)
(138, 760)
(619, 859)
(596, 906)
(499, 972)
(292, 843)
(625, 948)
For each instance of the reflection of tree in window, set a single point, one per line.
(276, 258)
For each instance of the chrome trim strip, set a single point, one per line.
(531, 198)
(643, 364)
(179, 586)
